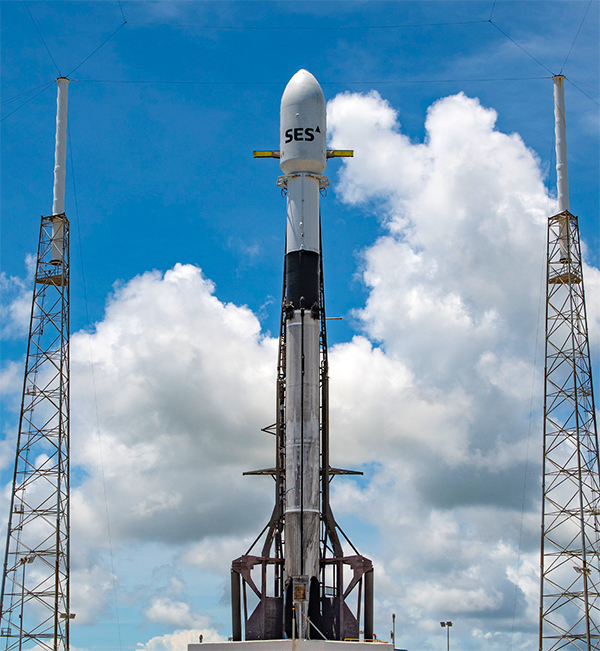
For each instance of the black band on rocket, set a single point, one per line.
(302, 279)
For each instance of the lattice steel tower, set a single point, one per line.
(35, 582)
(570, 563)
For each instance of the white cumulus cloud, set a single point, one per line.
(179, 640)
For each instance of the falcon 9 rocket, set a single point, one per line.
(298, 576)
(303, 152)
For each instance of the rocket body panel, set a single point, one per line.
(302, 456)
(302, 207)
(303, 129)
(302, 279)
(302, 413)
(302, 241)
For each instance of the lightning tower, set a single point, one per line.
(35, 582)
(570, 561)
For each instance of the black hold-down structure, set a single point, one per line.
(345, 591)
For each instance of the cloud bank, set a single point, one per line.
(432, 399)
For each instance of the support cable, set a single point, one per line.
(50, 83)
(101, 457)
(512, 40)
(322, 83)
(42, 39)
(122, 12)
(104, 42)
(307, 28)
(579, 89)
(25, 92)
(265, 83)
(576, 35)
(584, 84)
(259, 28)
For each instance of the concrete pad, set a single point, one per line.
(291, 645)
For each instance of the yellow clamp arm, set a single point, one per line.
(340, 153)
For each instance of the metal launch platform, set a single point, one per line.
(291, 645)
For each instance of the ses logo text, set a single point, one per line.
(300, 133)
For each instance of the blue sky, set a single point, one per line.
(163, 120)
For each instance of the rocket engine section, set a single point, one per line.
(302, 556)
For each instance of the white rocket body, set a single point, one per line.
(303, 151)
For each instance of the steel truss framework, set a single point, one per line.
(334, 620)
(35, 581)
(570, 563)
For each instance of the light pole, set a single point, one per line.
(394, 630)
(447, 626)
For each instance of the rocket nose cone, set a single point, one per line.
(303, 128)
(302, 87)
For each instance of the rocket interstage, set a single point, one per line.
(302, 586)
